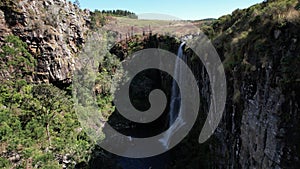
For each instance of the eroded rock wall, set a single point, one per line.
(54, 31)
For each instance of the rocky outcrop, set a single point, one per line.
(260, 52)
(54, 31)
(260, 127)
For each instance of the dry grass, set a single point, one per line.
(125, 26)
(240, 36)
(292, 15)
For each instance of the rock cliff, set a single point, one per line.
(54, 30)
(260, 49)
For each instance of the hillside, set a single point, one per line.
(260, 51)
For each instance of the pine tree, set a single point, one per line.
(77, 3)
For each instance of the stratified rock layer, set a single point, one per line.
(54, 31)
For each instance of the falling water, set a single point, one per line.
(175, 106)
(175, 94)
(160, 161)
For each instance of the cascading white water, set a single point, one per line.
(175, 94)
(175, 107)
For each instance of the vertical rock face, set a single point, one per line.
(260, 127)
(269, 133)
(54, 31)
(261, 132)
(268, 136)
(261, 122)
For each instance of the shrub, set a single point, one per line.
(38, 122)
(14, 54)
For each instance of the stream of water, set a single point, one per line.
(175, 107)
(160, 162)
(179, 73)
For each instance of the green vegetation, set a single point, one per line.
(262, 38)
(97, 19)
(38, 125)
(252, 31)
(120, 13)
(37, 122)
(98, 78)
(8, 3)
(77, 3)
(108, 68)
(15, 58)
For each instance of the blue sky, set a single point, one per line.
(183, 9)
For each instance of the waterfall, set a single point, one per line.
(175, 93)
(175, 107)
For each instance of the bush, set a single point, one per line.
(14, 54)
(97, 19)
(38, 122)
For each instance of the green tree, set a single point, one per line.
(77, 3)
(15, 56)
